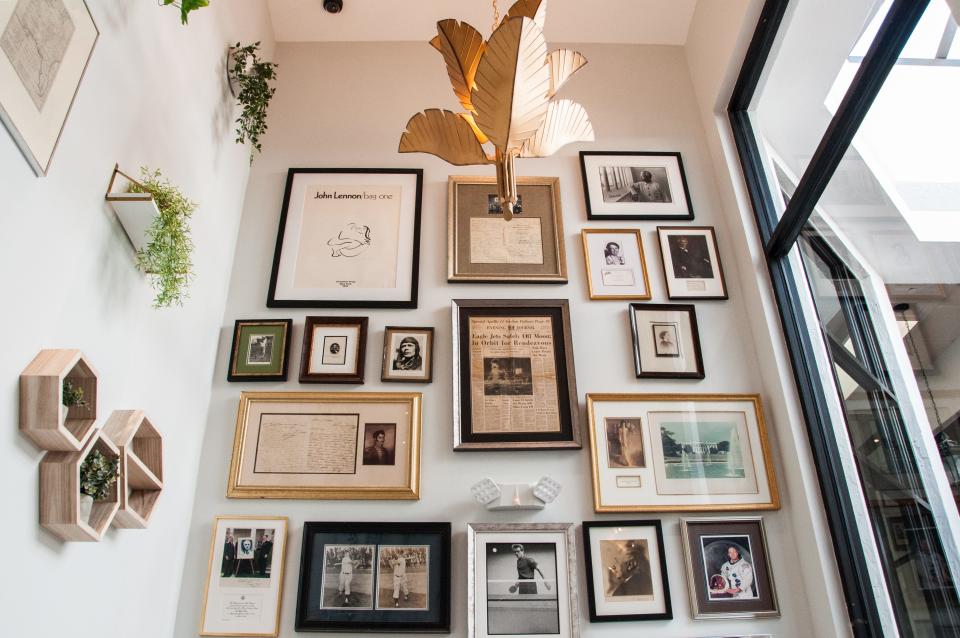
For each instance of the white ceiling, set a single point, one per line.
(608, 21)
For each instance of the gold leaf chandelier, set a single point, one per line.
(507, 85)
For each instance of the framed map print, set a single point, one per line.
(348, 238)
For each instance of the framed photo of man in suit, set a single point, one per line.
(691, 262)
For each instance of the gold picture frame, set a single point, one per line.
(623, 275)
(327, 445)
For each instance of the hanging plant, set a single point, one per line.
(186, 6)
(250, 79)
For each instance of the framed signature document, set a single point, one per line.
(513, 375)
(483, 247)
(348, 238)
(327, 445)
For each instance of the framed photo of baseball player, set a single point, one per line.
(728, 568)
(333, 350)
(384, 577)
(691, 262)
(407, 355)
(261, 350)
(666, 341)
(626, 571)
(635, 185)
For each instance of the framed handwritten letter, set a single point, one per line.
(348, 238)
(327, 445)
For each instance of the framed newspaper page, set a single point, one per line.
(513, 375)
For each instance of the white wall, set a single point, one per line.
(345, 105)
(153, 95)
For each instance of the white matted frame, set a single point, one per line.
(691, 262)
(637, 185)
(616, 264)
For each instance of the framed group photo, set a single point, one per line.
(333, 350)
(260, 350)
(638, 185)
(407, 354)
(327, 445)
(384, 577)
(616, 264)
(691, 262)
(666, 341)
(680, 452)
(348, 238)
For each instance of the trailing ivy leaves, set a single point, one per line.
(253, 77)
(186, 6)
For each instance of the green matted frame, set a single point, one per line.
(274, 368)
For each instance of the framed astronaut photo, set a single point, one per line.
(260, 350)
(691, 262)
(383, 577)
(333, 350)
(728, 568)
(407, 355)
(626, 571)
(666, 341)
(348, 238)
(616, 264)
(635, 185)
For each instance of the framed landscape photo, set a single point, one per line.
(260, 350)
(666, 342)
(522, 580)
(333, 350)
(327, 445)
(626, 571)
(691, 262)
(635, 185)
(483, 247)
(383, 577)
(680, 453)
(728, 568)
(44, 51)
(615, 262)
(348, 238)
(244, 576)
(513, 376)
(407, 354)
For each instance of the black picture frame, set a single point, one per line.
(696, 354)
(355, 323)
(714, 288)
(592, 214)
(313, 615)
(234, 373)
(588, 527)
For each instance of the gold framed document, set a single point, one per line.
(327, 445)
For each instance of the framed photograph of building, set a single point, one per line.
(666, 342)
(407, 354)
(615, 262)
(327, 445)
(260, 350)
(522, 580)
(513, 376)
(383, 577)
(333, 350)
(691, 262)
(626, 571)
(483, 247)
(348, 238)
(635, 185)
(244, 576)
(728, 568)
(680, 453)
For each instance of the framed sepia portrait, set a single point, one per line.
(691, 262)
(626, 571)
(513, 375)
(666, 342)
(260, 350)
(348, 238)
(635, 185)
(244, 576)
(616, 265)
(333, 350)
(728, 568)
(327, 445)
(483, 247)
(522, 580)
(680, 453)
(383, 577)
(407, 354)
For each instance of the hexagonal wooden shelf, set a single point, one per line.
(141, 466)
(43, 417)
(60, 493)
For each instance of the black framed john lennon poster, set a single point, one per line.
(348, 238)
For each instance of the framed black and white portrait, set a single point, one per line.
(691, 262)
(635, 185)
(407, 354)
(333, 350)
(260, 350)
(616, 264)
(666, 341)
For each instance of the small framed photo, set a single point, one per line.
(407, 354)
(245, 577)
(691, 262)
(680, 452)
(384, 577)
(333, 350)
(666, 342)
(626, 571)
(261, 350)
(483, 247)
(522, 580)
(616, 265)
(635, 185)
(728, 568)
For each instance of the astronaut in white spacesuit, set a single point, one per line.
(737, 575)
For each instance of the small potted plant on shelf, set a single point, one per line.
(249, 78)
(97, 475)
(72, 396)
